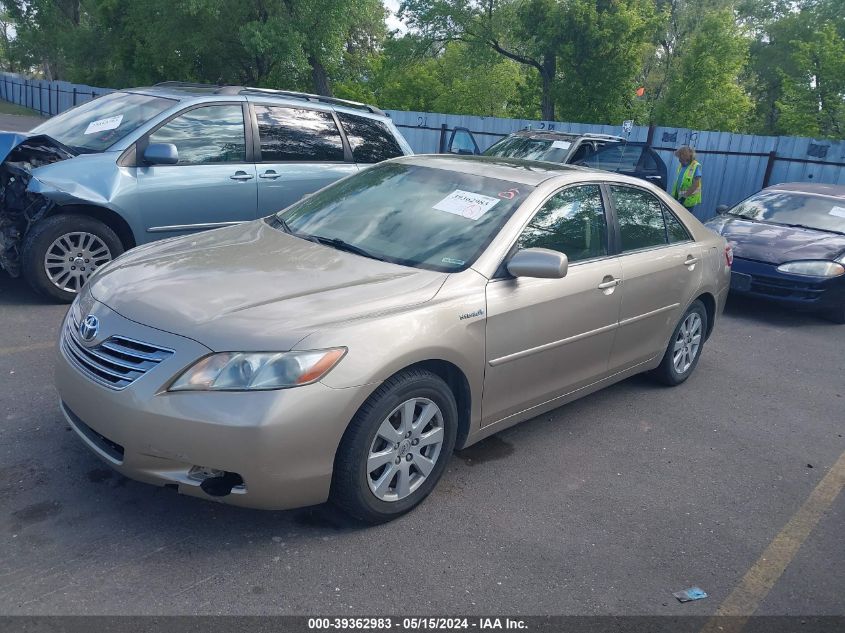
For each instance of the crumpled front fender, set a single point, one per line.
(65, 192)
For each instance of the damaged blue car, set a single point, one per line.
(144, 164)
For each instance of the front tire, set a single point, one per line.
(685, 345)
(61, 252)
(396, 448)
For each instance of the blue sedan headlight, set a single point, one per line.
(813, 268)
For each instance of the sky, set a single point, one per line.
(393, 22)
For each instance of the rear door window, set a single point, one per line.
(297, 135)
(640, 216)
(208, 134)
(371, 140)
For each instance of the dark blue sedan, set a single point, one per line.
(789, 246)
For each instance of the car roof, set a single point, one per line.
(183, 90)
(527, 172)
(817, 188)
(552, 135)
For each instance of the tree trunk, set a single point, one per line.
(547, 74)
(319, 77)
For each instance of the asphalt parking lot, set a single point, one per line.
(605, 506)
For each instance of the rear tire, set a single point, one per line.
(61, 252)
(396, 448)
(685, 346)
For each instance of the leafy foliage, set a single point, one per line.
(765, 66)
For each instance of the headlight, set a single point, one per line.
(246, 371)
(813, 268)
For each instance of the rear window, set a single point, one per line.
(371, 140)
(550, 150)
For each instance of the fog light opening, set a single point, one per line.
(214, 482)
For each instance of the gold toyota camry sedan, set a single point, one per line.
(341, 349)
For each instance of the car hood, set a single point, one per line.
(774, 243)
(252, 287)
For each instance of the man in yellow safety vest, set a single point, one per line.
(687, 187)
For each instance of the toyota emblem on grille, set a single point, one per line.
(89, 327)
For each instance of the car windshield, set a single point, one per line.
(96, 125)
(824, 213)
(549, 150)
(423, 217)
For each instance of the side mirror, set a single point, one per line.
(541, 263)
(161, 154)
(722, 209)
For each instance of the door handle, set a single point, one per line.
(269, 174)
(241, 175)
(690, 260)
(610, 283)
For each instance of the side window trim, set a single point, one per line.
(142, 143)
(347, 153)
(501, 270)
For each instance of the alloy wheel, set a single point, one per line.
(73, 257)
(405, 449)
(687, 343)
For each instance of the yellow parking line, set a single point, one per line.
(5, 351)
(759, 580)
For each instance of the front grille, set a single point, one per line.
(116, 362)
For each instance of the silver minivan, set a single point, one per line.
(144, 164)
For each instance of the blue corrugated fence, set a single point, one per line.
(734, 165)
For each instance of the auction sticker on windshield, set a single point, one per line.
(466, 204)
(103, 125)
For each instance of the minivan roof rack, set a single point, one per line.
(245, 90)
(311, 97)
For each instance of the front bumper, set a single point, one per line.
(282, 443)
(765, 281)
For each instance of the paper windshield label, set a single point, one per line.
(561, 144)
(839, 212)
(466, 204)
(103, 125)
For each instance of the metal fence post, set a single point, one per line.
(770, 165)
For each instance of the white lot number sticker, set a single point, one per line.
(104, 125)
(466, 204)
(561, 144)
(839, 212)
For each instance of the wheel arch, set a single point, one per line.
(709, 302)
(108, 217)
(456, 380)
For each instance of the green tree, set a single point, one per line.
(291, 43)
(704, 90)
(812, 101)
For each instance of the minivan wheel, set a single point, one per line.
(60, 253)
(684, 347)
(396, 447)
